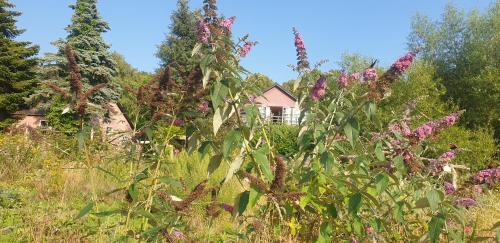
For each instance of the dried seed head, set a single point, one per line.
(256, 182)
(279, 174)
(197, 193)
(290, 196)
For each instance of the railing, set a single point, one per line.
(284, 119)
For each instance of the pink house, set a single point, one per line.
(278, 105)
(115, 128)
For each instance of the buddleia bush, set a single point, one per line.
(347, 181)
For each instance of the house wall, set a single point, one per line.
(30, 122)
(275, 97)
(117, 129)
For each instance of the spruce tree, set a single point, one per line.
(92, 53)
(17, 64)
(181, 39)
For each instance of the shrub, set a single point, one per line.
(477, 148)
(60, 120)
(283, 138)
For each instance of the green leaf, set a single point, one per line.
(381, 182)
(107, 213)
(400, 166)
(351, 130)
(205, 62)
(355, 203)
(85, 210)
(206, 77)
(214, 163)
(251, 114)
(235, 165)
(327, 160)
(132, 191)
(196, 49)
(398, 211)
(435, 227)
(219, 93)
(332, 211)
(217, 120)
(324, 233)
(422, 203)
(370, 111)
(231, 141)
(434, 199)
(242, 202)
(260, 157)
(204, 149)
(379, 153)
(149, 133)
(254, 197)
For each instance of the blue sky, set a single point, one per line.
(373, 28)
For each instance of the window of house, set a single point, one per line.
(44, 123)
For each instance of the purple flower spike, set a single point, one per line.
(245, 49)
(319, 89)
(343, 80)
(466, 202)
(203, 32)
(449, 188)
(227, 23)
(370, 74)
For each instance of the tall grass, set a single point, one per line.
(44, 183)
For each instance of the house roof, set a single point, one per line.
(30, 112)
(282, 89)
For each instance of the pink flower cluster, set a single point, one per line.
(449, 188)
(176, 234)
(436, 165)
(401, 128)
(448, 156)
(354, 76)
(490, 176)
(227, 23)
(343, 80)
(430, 128)
(408, 156)
(403, 63)
(319, 89)
(302, 62)
(203, 106)
(203, 31)
(245, 49)
(178, 122)
(370, 74)
(466, 202)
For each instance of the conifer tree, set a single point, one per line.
(17, 64)
(181, 39)
(91, 51)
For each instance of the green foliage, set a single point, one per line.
(259, 81)
(464, 51)
(17, 65)
(130, 79)
(284, 139)
(60, 119)
(288, 85)
(182, 38)
(477, 148)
